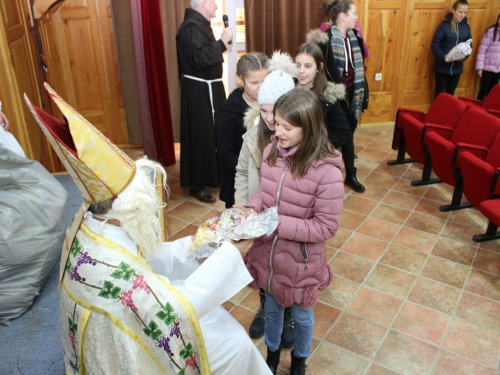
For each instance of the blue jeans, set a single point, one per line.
(304, 324)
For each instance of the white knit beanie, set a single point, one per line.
(280, 79)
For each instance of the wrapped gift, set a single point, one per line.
(234, 223)
(460, 51)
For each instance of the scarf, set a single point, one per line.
(338, 49)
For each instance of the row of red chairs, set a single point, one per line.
(462, 145)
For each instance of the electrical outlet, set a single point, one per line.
(378, 76)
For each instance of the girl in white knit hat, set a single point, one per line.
(259, 122)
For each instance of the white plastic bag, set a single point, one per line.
(32, 230)
(460, 51)
(8, 140)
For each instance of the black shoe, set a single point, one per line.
(273, 360)
(288, 335)
(256, 329)
(352, 182)
(298, 366)
(202, 195)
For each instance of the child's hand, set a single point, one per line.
(243, 245)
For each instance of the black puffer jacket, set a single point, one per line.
(336, 123)
(444, 40)
(229, 140)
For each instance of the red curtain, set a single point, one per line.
(157, 134)
(280, 24)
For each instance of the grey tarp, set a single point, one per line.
(32, 230)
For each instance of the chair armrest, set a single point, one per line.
(443, 131)
(494, 112)
(415, 113)
(470, 100)
(411, 110)
(479, 151)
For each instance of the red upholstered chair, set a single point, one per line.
(475, 132)
(491, 210)
(480, 174)
(446, 111)
(491, 103)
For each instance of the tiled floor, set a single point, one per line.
(412, 294)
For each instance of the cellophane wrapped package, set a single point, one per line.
(460, 51)
(235, 223)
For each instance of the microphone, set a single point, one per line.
(225, 19)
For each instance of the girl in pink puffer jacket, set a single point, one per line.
(301, 175)
(488, 59)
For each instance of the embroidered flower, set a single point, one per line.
(127, 300)
(191, 362)
(72, 338)
(175, 330)
(85, 259)
(74, 275)
(164, 343)
(139, 282)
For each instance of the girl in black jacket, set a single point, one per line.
(452, 31)
(251, 69)
(311, 76)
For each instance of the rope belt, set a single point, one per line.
(209, 83)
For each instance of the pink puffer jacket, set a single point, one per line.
(290, 263)
(488, 55)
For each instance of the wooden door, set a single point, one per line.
(80, 54)
(77, 47)
(20, 77)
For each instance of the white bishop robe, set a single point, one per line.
(229, 349)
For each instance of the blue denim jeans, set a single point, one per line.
(304, 324)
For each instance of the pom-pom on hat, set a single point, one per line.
(280, 79)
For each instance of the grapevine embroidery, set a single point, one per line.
(165, 315)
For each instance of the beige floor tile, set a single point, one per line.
(331, 360)
(339, 293)
(423, 323)
(455, 251)
(379, 229)
(486, 348)
(367, 247)
(351, 267)
(480, 311)
(452, 364)
(357, 335)
(391, 214)
(445, 271)
(376, 306)
(390, 280)
(406, 354)
(435, 295)
(404, 258)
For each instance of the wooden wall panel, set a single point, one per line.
(399, 35)
(419, 75)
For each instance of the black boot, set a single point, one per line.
(298, 366)
(273, 360)
(288, 335)
(256, 329)
(352, 181)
